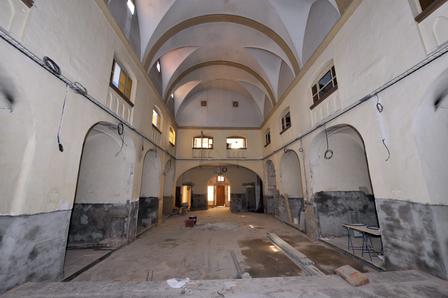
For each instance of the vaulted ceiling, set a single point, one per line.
(228, 49)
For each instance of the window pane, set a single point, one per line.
(172, 136)
(325, 80)
(116, 75)
(155, 118)
(236, 143)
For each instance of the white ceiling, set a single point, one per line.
(243, 47)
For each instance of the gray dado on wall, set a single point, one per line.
(335, 208)
(32, 247)
(199, 202)
(102, 225)
(414, 235)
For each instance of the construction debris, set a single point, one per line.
(352, 276)
(298, 258)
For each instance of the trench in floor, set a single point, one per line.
(204, 251)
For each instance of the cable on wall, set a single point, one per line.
(384, 135)
(52, 67)
(120, 131)
(61, 119)
(328, 153)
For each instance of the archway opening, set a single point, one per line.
(291, 203)
(231, 186)
(104, 214)
(342, 193)
(148, 211)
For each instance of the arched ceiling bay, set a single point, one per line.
(251, 49)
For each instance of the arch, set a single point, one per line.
(291, 189)
(341, 185)
(104, 189)
(217, 18)
(240, 66)
(290, 176)
(244, 183)
(322, 17)
(151, 173)
(148, 212)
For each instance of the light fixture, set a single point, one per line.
(172, 95)
(158, 66)
(131, 6)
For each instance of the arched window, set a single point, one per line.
(236, 143)
(202, 142)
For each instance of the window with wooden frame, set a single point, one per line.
(202, 142)
(425, 8)
(156, 119)
(121, 82)
(172, 136)
(236, 143)
(267, 137)
(285, 121)
(325, 86)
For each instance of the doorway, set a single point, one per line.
(220, 195)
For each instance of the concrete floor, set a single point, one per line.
(341, 242)
(204, 252)
(400, 284)
(76, 259)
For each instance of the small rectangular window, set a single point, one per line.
(236, 143)
(172, 136)
(202, 143)
(286, 121)
(156, 119)
(267, 138)
(121, 82)
(220, 178)
(325, 86)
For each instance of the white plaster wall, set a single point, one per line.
(84, 51)
(379, 41)
(219, 111)
(107, 168)
(347, 170)
(185, 143)
(151, 175)
(290, 177)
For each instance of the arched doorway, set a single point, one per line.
(291, 200)
(342, 190)
(104, 214)
(103, 200)
(218, 191)
(149, 191)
